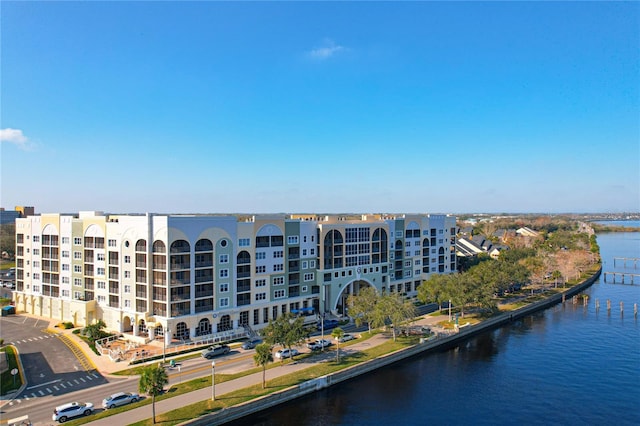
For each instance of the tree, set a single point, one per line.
(337, 334)
(263, 357)
(392, 309)
(361, 306)
(287, 330)
(152, 382)
(94, 331)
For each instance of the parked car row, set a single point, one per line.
(65, 412)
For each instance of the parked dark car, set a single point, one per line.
(328, 324)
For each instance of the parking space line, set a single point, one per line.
(41, 393)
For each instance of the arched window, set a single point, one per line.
(204, 245)
(180, 246)
(141, 245)
(333, 250)
(243, 257)
(159, 247)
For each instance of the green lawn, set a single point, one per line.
(7, 380)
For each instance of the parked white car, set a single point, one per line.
(285, 353)
(64, 412)
(346, 337)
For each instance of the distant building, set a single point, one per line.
(10, 216)
(199, 275)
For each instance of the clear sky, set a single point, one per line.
(203, 107)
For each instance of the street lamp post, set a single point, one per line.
(164, 343)
(322, 327)
(213, 380)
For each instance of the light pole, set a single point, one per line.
(213, 380)
(164, 343)
(322, 327)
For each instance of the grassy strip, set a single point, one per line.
(7, 380)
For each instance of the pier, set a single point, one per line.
(622, 276)
(634, 260)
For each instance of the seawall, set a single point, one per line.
(271, 400)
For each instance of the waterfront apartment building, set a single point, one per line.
(198, 275)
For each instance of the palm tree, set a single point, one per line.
(337, 334)
(152, 381)
(263, 357)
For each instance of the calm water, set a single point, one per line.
(568, 365)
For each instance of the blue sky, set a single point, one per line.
(320, 107)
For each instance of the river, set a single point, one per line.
(568, 365)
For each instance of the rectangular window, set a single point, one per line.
(127, 288)
(417, 272)
(278, 267)
(278, 294)
(278, 254)
(127, 259)
(261, 283)
(65, 266)
(304, 252)
(102, 299)
(305, 265)
(305, 288)
(101, 285)
(224, 302)
(313, 252)
(77, 281)
(99, 271)
(127, 274)
(77, 268)
(65, 254)
(111, 243)
(278, 281)
(127, 303)
(100, 257)
(260, 255)
(308, 276)
(36, 238)
(65, 240)
(244, 242)
(407, 264)
(261, 269)
(224, 258)
(77, 255)
(77, 241)
(65, 293)
(224, 287)
(292, 239)
(224, 273)
(36, 252)
(312, 264)
(407, 274)
(261, 296)
(65, 280)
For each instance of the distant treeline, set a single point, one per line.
(599, 228)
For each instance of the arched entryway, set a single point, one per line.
(142, 328)
(127, 326)
(204, 327)
(182, 331)
(354, 287)
(225, 323)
